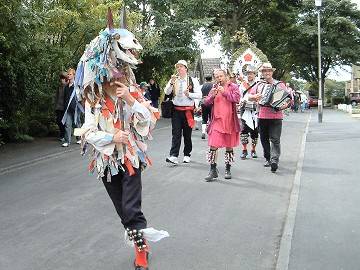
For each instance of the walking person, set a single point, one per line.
(270, 120)
(154, 90)
(117, 122)
(73, 110)
(248, 114)
(205, 110)
(59, 105)
(184, 90)
(224, 125)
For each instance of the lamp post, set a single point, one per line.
(320, 100)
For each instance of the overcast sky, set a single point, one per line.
(214, 50)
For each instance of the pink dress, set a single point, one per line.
(224, 128)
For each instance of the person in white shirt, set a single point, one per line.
(184, 89)
(248, 114)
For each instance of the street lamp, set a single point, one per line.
(320, 100)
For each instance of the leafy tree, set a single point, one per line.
(272, 29)
(266, 23)
(166, 31)
(334, 89)
(38, 39)
(340, 38)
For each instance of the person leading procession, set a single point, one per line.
(224, 126)
(118, 120)
(184, 89)
(269, 118)
(248, 114)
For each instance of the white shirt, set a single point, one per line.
(180, 99)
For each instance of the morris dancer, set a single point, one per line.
(184, 90)
(270, 120)
(224, 125)
(117, 122)
(248, 114)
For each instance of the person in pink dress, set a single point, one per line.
(224, 125)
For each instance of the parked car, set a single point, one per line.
(313, 101)
(354, 98)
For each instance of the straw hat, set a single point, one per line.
(266, 66)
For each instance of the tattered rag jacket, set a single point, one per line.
(101, 123)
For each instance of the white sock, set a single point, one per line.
(203, 128)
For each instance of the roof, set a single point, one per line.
(209, 64)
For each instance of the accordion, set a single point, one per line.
(274, 96)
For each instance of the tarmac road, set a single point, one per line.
(55, 216)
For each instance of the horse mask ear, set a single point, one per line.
(123, 20)
(110, 20)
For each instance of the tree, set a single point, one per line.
(272, 29)
(334, 90)
(265, 21)
(166, 32)
(38, 39)
(340, 21)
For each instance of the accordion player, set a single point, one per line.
(274, 96)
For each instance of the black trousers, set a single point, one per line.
(254, 133)
(180, 128)
(205, 113)
(270, 133)
(125, 192)
(59, 116)
(155, 103)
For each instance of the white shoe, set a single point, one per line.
(65, 145)
(78, 142)
(173, 160)
(186, 159)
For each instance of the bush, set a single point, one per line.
(337, 100)
(37, 129)
(23, 138)
(53, 130)
(3, 127)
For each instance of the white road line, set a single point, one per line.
(35, 161)
(287, 236)
(30, 163)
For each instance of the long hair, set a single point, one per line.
(71, 71)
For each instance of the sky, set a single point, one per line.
(213, 49)
(357, 2)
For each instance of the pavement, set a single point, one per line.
(55, 216)
(327, 226)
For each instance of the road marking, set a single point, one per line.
(30, 163)
(286, 238)
(35, 161)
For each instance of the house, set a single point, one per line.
(204, 67)
(353, 85)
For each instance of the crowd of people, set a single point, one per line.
(233, 109)
(227, 107)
